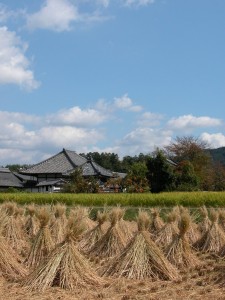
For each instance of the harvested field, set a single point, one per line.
(140, 268)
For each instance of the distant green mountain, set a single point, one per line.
(218, 155)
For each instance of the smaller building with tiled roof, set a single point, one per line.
(8, 179)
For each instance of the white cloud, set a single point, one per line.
(189, 122)
(68, 136)
(17, 137)
(5, 14)
(104, 3)
(126, 103)
(104, 106)
(14, 66)
(144, 140)
(55, 15)
(77, 117)
(137, 2)
(15, 156)
(214, 140)
(149, 119)
(79, 129)
(6, 117)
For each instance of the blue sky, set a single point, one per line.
(122, 76)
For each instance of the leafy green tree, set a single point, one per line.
(160, 173)
(106, 160)
(189, 148)
(186, 179)
(219, 177)
(16, 167)
(79, 184)
(136, 181)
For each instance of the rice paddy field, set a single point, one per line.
(62, 248)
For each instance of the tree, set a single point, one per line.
(219, 177)
(78, 184)
(106, 160)
(136, 181)
(186, 179)
(160, 173)
(190, 149)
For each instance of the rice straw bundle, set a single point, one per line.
(32, 223)
(214, 238)
(192, 234)
(83, 213)
(222, 218)
(59, 223)
(13, 229)
(125, 226)
(169, 230)
(42, 243)
(10, 262)
(21, 215)
(92, 236)
(156, 223)
(65, 266)
(141, 258)
(180, 252)
(113, 241)
(205, 224)
(3, 219)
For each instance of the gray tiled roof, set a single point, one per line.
(60, 163)
(50, 182)
(25, 177)
(8, 179)
(119, 174)
(91, 168)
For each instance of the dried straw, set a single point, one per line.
(32, 223)
(92, 236)
(192, 234)
(10, 262)
(205, 224)
(214, 238)
(179, 252)
(141, 258)
(42, 243)
(83, 213)
(222, 218)
(13, 229)
(156, 223)
(58, 226)
(113, 241)
(169, 230)
(65, 266)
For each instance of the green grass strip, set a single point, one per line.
(189, 199)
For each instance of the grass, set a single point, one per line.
(169, 199)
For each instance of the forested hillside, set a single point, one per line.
(218, 155)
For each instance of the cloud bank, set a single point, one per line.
(26, 138)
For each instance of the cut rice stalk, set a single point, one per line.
(42, 243)
(92, 236)
(142, 258)
(213, 240)
(113, 241)
(10, 262)
(169, 230)
(65, 266)
(179, 252)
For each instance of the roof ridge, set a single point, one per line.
(91, 162)
(42, 162)
(69, 158)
